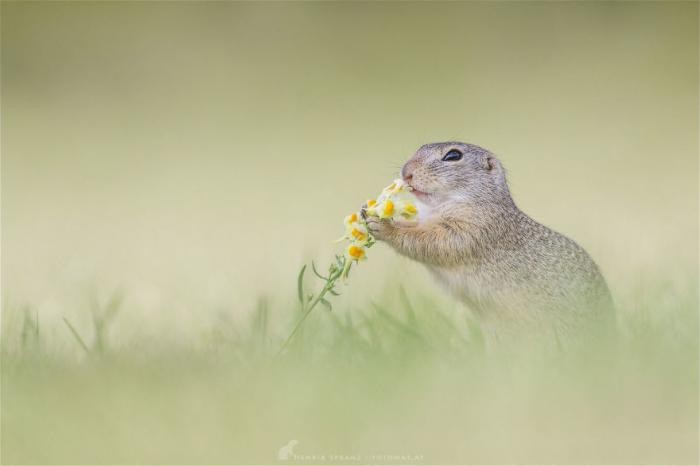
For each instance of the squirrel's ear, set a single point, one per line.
(489, 162)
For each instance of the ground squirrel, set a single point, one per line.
(504, 265)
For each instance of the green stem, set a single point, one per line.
(329, 284)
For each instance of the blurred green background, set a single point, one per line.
(195, 154)
(198, 152)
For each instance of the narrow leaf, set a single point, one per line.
(313, 267)
(300, 285)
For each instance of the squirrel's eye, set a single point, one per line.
(452, 156)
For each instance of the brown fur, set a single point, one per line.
(476, 242)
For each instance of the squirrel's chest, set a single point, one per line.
(467, 283)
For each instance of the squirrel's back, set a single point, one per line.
(530, 275)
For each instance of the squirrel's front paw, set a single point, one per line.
(380, 229)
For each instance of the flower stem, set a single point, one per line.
(310, 307)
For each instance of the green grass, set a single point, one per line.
(404, 380)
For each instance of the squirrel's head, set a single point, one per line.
(456, 172)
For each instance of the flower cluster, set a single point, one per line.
(394, 202)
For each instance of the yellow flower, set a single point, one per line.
(408, 209)
(355, 230)
(386, 209)
(356, 252)
(371, 208)
(404, 205)
(358, 233)
(392, 202)
(396, 187)
(395, 201)
(350, 220)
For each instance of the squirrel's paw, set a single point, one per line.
(380, 229)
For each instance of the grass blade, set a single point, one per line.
(397, 324)
(408, 308)
(75, 333)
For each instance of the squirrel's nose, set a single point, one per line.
(406, 173)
